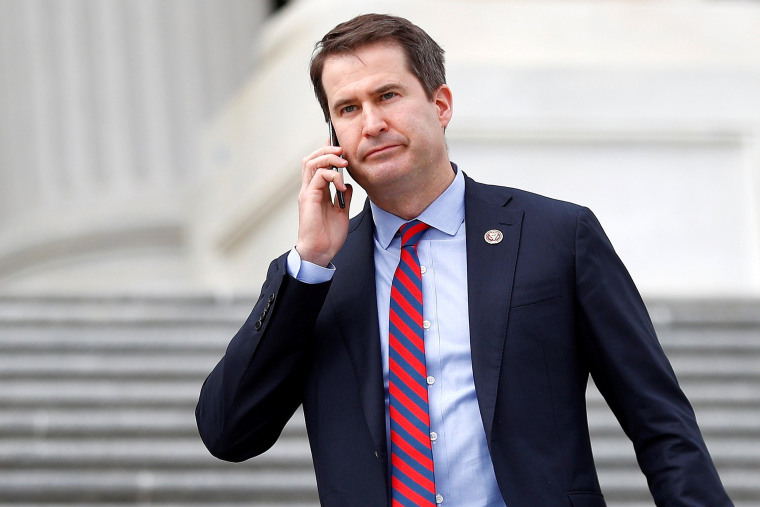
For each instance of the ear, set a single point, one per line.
(443, 102)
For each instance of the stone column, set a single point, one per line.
(103, 104)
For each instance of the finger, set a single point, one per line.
(326, 172)
(323, 158)
(322, 151)
(348, 193)
(319, 186)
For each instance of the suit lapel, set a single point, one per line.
(355, 310)
(490, 276)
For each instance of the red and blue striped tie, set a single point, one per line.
(412, 478)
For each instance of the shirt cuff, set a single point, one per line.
(308, 272)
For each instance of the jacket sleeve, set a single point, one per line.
(631, 371)
(256, 387)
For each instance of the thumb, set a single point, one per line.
(347, 195)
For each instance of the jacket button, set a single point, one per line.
(271, 298)
(257, 325)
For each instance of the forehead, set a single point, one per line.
(366, 65)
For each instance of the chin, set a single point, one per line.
(385, 169)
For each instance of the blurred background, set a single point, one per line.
(149, 167)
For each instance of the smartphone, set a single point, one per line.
(334, 142)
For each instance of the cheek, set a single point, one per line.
(426, 130)
(349, 150)
(424, 121)
(349, 142)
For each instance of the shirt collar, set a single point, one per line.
(446, 213)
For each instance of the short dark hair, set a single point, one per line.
(424, 57)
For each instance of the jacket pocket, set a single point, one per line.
(586, 499)
(536, 292)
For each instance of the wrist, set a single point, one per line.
(319, 258)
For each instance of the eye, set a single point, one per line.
(348, 109)
(387, 95)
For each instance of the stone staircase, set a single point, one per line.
(97, 407)
(97, 398)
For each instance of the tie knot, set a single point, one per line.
(411, 232)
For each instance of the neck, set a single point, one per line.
(413, 197)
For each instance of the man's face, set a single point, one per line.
(391, 132)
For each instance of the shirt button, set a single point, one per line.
(426, 324)
(433, 436)
(431, 380)
(438, 499)
(423, 269)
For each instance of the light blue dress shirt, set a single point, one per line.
(464, 473)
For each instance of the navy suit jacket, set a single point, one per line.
(548, 305)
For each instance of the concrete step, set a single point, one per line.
(189, 365)
(49, 422)
(105, 453)
(109, 310)
(735, 450)
(105, 394)
(688, 337)
(166, 338)
(708, 392)
(141, 486)
(712, 421)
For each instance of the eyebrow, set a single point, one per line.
(342, 102)
(384, 88)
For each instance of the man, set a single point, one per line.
(446, 364)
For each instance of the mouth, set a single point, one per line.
(380, 150)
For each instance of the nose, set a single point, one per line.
(374, 122)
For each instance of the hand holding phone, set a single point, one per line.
(334, 142)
